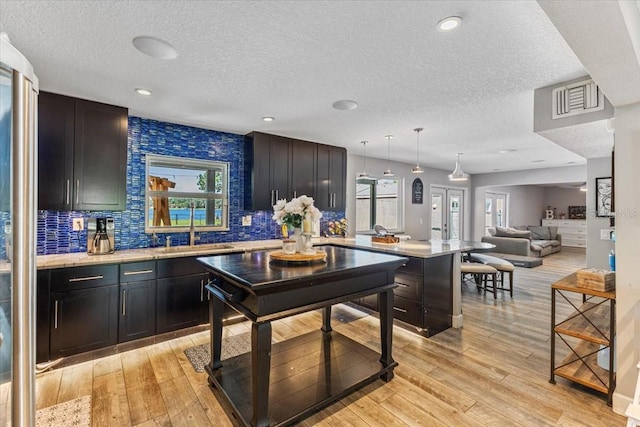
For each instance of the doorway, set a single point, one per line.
(447, 213)
(495, 211)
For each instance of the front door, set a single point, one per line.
(447, 213)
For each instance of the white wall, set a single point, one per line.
(561, 198)
(413, 214)
(627, 206)
(597, 250)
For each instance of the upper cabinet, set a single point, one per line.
(331, 182)
(82, 154)
(283, 168)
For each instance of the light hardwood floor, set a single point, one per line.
(492, 372)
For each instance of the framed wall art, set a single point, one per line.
(577, 212)
(604, 193)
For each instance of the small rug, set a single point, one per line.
(74, 413)
(200, 355)
(518, 260)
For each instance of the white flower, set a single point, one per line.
(305, 200)
(279, 205)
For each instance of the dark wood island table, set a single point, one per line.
(271, 385)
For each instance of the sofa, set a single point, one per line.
(531, 240)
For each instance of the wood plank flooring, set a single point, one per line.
(492, 372)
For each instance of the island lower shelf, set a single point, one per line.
(307, 373)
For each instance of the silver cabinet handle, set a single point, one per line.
(77, 191)
(272, 202)
(68, 189)
(131, 273)
(295, 194)
(277, 196)
(401, 310)
(124, 302)
(201, 290)
(55, 314)
(83, 279)
(402, 284)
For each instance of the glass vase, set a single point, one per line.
(299, 238)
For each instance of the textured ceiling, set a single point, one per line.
(472, 90)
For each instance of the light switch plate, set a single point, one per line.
(605, 234)
(78, 224)
(246, 220)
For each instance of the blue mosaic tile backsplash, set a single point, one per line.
(55, 235)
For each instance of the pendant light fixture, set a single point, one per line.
(417, 168)
(388, 171)
(458, 174)
(364, 173)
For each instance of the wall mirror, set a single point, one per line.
(175, 184)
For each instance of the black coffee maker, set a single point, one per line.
(101, 236)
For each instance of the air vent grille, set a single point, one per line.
(576, 98)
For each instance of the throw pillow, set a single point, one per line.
(491, 231)
(539, 232)
(553, 233)
(510, 232)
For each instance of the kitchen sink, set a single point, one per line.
(198, 248)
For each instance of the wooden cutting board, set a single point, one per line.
(279, 255)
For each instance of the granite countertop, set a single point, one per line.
(420, 249)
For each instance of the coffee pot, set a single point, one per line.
(103, 239)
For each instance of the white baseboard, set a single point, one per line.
(620, 403)
(456, 321)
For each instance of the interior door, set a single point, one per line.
(495, 211)
(447, 213)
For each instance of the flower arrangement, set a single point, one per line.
(338, 228)
(292, 213)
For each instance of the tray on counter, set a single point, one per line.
(279, 255)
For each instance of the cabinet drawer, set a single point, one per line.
(137, 271)
(409, 286)
(67, 279)
(174, 267)
(413, 266)
(407, 311)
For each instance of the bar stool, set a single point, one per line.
(502, 265)
(481, 274)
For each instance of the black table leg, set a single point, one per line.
(385, 300)
(216, 308)
(326, 319)
(260, 372)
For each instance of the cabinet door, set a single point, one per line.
(55, 151)
(438, 293)
(83, 320)
(338, 178)
(42, 317)
(303, 169)
(137, 310)
(100, 156)
(324, 197)
(181, 302)
(279, 166)
(331, 178)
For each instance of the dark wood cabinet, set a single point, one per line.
(181, 298)
(303, 169)
(82, 154)
(42, 316)
(277, 168)
(83, 309)
(268, 160)
(137, 314)
(83, 320)
(331, 167)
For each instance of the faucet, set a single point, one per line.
(192, 229)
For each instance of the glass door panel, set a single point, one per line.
(447, 213)
(455, 201)
(437, 220)
(495, 213)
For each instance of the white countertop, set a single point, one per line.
(421, 249)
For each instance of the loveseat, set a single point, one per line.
(530, 240)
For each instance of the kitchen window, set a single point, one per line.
(175, 185)
(378, 201)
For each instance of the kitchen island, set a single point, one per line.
(268, 386)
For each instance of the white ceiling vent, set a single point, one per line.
(576, 98)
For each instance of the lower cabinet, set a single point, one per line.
(182, 299)
(83, 309)
(137, 313)
(83, 320)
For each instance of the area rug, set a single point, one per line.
(74, 413)
(518, 260)
(200, 355)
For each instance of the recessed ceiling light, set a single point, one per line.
(507, 150)
(345, 104)
(537, 161)
(155, 47)
(143, 92)
(268, 119)
(496, 170)
(571, 163)
(449, 23)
